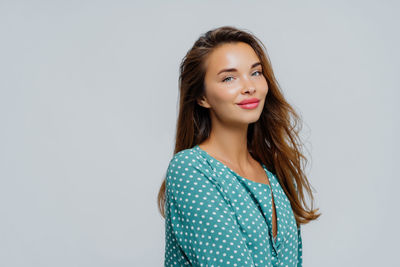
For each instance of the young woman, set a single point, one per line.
(234, 188)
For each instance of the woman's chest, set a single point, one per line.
(251, 205)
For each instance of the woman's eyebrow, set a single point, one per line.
(233, 69)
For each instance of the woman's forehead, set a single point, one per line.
(231, 55)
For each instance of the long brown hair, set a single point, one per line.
(272, 140)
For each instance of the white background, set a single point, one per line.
(88, 105)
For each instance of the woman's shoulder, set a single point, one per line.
(189, 166)
(185, 153)
(188, 158)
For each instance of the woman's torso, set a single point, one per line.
(251, 204)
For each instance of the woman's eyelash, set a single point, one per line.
(226, 78)
(259, 72)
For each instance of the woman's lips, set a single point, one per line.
(249, 105)
(249, 100)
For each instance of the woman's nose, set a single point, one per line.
(251, 90)
(248, 85)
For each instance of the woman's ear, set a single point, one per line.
(203, 102)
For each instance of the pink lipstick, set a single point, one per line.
(250, 103)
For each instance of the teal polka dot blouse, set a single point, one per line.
(215, 217)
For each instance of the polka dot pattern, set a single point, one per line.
(215, 217)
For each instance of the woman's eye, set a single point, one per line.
(230, 78)
(227, 79)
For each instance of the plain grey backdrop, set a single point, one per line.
(88, 105)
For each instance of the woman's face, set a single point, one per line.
(233, 74)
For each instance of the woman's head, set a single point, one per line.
(204, 98)
(206, 95)
(233, 73)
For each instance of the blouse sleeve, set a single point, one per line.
(300, 248)
(300, 242)
(201, 217)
